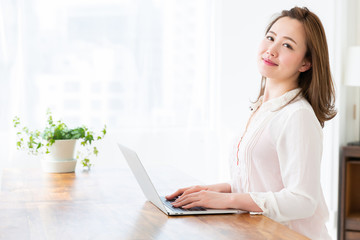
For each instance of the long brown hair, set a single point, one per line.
(316, 83)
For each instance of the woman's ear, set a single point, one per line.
(305, 66)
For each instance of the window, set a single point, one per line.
(130, 64)
(138, 66)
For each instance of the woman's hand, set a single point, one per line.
(203, 198)
(207, 196)
(220, 187)
(217, 196)
(186, 191)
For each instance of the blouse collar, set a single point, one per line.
(275, 103)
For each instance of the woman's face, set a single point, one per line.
(282, 51)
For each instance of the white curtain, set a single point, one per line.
(141, 67)
(11, 70)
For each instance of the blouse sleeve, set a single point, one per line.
(299, 149)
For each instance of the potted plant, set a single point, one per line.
(58, 142)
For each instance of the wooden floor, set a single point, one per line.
(107, 203)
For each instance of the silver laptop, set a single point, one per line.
(151, 194)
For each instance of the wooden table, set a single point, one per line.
(108, 204)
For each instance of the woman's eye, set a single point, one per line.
(287, 45)
(270, 38)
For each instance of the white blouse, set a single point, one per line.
(278, 163)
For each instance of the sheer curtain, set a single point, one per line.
(142, 67)
(11, 85)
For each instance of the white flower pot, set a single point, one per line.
(61, 158)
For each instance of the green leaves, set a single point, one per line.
(77, 133)
(96, 151)
(16, 121)
(86, 163)
(59, 131)
(39, 142)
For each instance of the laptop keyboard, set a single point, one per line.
(175, 209)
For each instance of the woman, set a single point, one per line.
(275, 164)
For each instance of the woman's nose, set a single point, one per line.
(272, 51)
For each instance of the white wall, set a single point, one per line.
(350, 35)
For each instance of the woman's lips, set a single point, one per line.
(269, 62)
